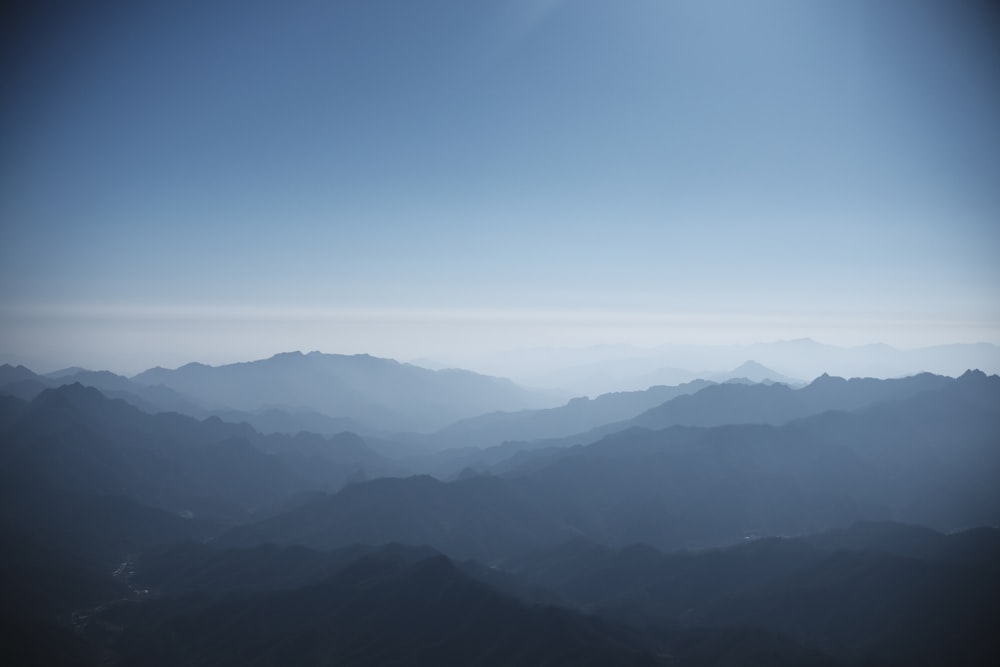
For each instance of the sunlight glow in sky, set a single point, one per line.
(214, 181)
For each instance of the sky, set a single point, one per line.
(219, 181)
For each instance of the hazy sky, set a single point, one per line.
(218, 181)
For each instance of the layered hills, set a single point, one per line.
(734, 523)
(292, 392)
(374, 391)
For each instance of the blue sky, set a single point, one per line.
(221, 180)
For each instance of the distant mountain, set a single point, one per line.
(699, 403)
(155, 398)
(579, 414)
(75, 439)
(775, 404)
(382, 393)
(594, 371)
(930, 459)
(745, 524)
(151, 399)
(729, 403)
(9, 374)
(926, 459)
(594, 378)
(778, 404)
(65, 372)
(636, 374)
(23, 383)
(754, 372)
(24, 389)
(747, 372)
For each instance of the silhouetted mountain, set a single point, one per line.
(879, 608)
(222, 573)
(483, 518)
(706, 405)
(151, 399)
(930, 459)
(834, 393)
(25, 390)
(99, 530)
(375, 391)
(375, 611)
(754, 372)
(88, 484)
(578, 415)
(778, 404)
(874, 602)
(21, 382)
(194, 567)
(11, 410)
(206, 569)
(683, 584)
(302, 606)
(726, 404)
(748, 372)
(24, 384)
(976, 546)
(74, 438)
(739, 403)
(9, 374)
(327, 461)
(42, 580)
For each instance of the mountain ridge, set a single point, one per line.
(372, 390)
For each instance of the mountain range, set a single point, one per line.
(293, 392)
(377, 391)
(844, 522)
(687, 487)
(610, 368)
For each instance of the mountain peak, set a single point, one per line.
(74, 389)
(977, 378)
(751, 366)
(10, 373)
(292, 356)
(76, 396)
(827, 380)
(194, 365)
(756, 372)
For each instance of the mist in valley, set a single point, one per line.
(533, 332)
